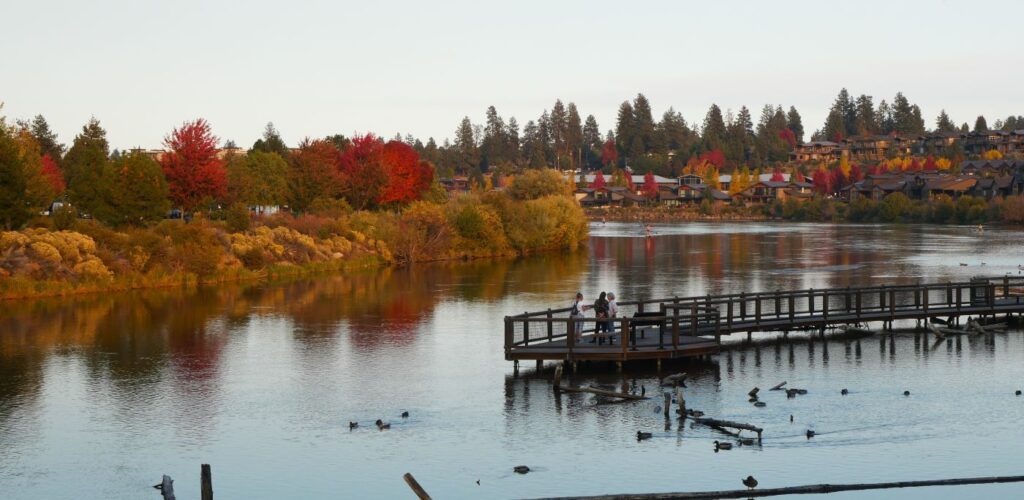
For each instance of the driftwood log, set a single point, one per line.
(778, 386)
(723, 424)
(810, 489)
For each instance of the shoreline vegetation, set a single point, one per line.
(89, 257)
(894, 208)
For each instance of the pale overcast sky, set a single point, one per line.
(322, 67)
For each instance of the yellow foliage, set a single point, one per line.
(92, 267)
(992, 154)
(45, 252)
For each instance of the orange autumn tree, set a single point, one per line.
(193, 171)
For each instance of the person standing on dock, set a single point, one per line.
(601, 313)
(613, 312)
(576, 312)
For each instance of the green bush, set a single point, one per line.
(238, 218)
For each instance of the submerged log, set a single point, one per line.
(810, 489)
(676, 379)
(602, 392)
(778, 386)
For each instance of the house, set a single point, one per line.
(951, 186)
(611, 196)
(455, 184)
(691, 180)
(764, 192)
(827, 151)
(638, 180)
(991, 167)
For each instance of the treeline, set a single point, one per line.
(135, 188)
(563, 139)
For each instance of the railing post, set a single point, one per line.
(778, 305)
(675, 328)
(570, 337)
(526, 328)
(693, 319)
(625, 328)
(508, 337)
(728, 312)
(848, 298)
(949, 294)
(661, 329)
(757, 309)
(743, 306)
(551, 327)
(1006, 286)
(881, 300)
(792, 311)
(892, 307)
(810, 302)
(858, 303)
(924, 299)
(959, 297)
(824, 305)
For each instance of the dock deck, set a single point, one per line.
(694, 326)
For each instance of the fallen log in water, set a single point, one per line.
(601, 392)
(810, 489)
(415, 486)
(722, 424)
(778, 386)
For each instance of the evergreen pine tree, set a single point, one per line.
(795, 124)
(83, 167)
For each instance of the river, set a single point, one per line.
(100, 395)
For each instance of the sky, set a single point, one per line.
(316, 68)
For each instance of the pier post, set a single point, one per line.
(540, 364)
(668, 403)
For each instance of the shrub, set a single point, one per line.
(534, 184)
(238, 218)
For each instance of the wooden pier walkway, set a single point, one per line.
(693, 326)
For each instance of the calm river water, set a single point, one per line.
(101, 395)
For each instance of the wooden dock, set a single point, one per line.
(693, 326)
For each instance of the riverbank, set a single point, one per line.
(91, 258)
(667, 214)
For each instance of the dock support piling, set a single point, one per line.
(206, 482)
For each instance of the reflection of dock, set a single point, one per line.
(693, 326)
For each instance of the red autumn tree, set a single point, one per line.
(838, 180)
(52, 174)
(598, 182)
(856, 174)
(407, 177)
(363, 173)
(714, 157)
(609, 154)
(929, 164)
(788, 136)
(777, 176)
(798, 176)
(915, 165)
(193, 172)
(313, 174)
(650, 188)
(822, 181)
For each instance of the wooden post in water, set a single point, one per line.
(557, 387)
(668, 403)
(680, 401)
(416, 488)
(205, 482)
(166, 488)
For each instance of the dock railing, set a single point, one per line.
(724, 314)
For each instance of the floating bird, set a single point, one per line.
(722, 446)
(520, 469)
(810, 433)
(760, 404)
(405, 414)
(963, 264)
(640, 435)
(643, 390)
(478, 482)
(984, 264)
(1017, 393)
(750, 482)
(746, 441)
(657, 409)
(381, 425)
(791, 418)
(906, 393)
(353, 425)
(752, 400)
(844, 392)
